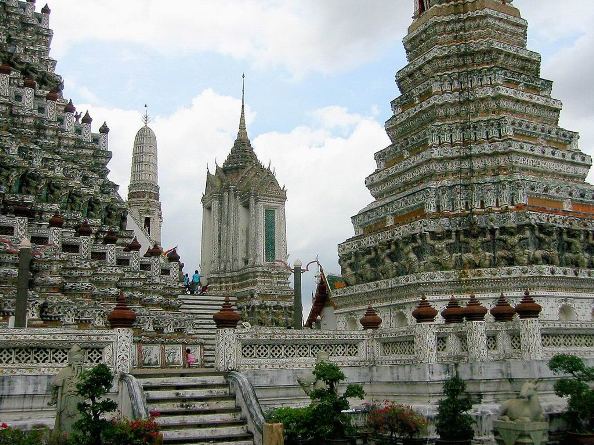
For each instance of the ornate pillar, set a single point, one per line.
(259, 233)
(216, 227)
(5, 71)
(426, 342)
(111, 255)
(224, 231)
(85, 247)
(28, 93)
(135, 260)
(50, 106)
(155, 267)
(226, 349)
(252, 231)
(476, 341)
(282, 234)
(123, 350)
(104, 137)
(86, 127)
(45, 14)
(530, 339)
(29, 8)
(21, 229)
(69, 110)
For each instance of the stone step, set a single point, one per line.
(184, 394)
(219, 441)
(146, 373)
(176, 423)
(194, 381)
(207, 433)
(173, 407)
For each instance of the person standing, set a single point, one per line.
(187, 282)
(195, 282)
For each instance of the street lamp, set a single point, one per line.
(297, 270)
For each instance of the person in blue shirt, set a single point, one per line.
(187, 282)
(195, 282)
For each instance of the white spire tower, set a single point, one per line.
(144, 207)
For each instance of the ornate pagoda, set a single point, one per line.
(480, 191)
(55, 192)
(244, 238)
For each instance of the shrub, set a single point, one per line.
(395, 420)
(452, 420)
(580, 406)
(132, 432)
(297, 422)
(324, 417)
(13, 436)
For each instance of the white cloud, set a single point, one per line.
(301, 36)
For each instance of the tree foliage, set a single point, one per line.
(93, 385)
(580, 406)
(452, 421)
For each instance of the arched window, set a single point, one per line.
(567, 313)
(399, 320)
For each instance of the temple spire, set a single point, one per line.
(146, 119)
(242, 133)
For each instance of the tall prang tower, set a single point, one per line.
(144, 207)
(480, 191)
(244, 241)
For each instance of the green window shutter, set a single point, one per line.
(269, 235)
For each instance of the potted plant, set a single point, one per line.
(391, 421)
(297, 424)
(453, 423)
(580, 405)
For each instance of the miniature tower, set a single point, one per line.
(244, 234)
(143, 193)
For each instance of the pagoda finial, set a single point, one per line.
(146, 119)
(242, 133)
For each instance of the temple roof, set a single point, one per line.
(242, 169)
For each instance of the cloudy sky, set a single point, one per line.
(319, 79)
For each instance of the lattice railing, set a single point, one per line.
(39, 355)
(44, 351)
(423, 343)
(567, 341)
(289, 351)
(401, 347)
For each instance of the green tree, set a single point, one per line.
(580, 406)
(94, 384)
(452, 420)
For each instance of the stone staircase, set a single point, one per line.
(195, 406)
(203, 307)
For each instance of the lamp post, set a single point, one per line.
(297, 303)
(297, 270)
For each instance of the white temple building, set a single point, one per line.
(244, 240)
